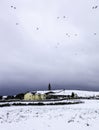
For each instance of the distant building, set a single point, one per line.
(34, 96)
(47, 95)
(28, 96)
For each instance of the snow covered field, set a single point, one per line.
(80, 93)
(83, 116)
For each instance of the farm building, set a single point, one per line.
(48, 95)
(34, 96)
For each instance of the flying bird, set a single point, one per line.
(58, 43)
(57, 17)
(37, 28)
(75, 34)
(76, 54)
(95, 7)
(67, 35)
(17, 23)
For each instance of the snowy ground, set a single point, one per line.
(71, 117)
(80, 93)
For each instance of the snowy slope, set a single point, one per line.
(68, 92)
(79, 93)
(80, 116)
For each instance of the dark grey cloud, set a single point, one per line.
(49, 41)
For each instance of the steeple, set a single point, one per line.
(49, 86)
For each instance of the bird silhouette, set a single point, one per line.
(94, 33)
(95, 7)
(57, 17)
(75, 34)
(67, 35)
(76, 53)
(17, 23)
(58, 43)
(37, 28)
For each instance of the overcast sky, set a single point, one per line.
(44, 41)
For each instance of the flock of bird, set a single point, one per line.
(95, 7)
(13, 7)
(64, 17)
